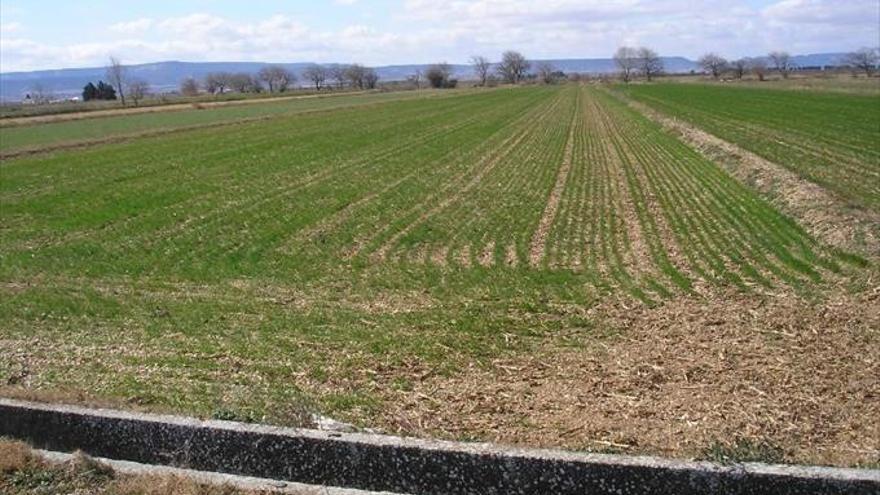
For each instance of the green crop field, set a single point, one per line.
(360, 261)
(827, 138)
(15, 138)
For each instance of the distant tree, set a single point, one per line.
(627, 61)
(439, 75)
(739, 67)
(189, 87)
(416, 79)
(277, 78)
(481, 68)
(117, 73)
(218, 82)
(546, 72)
(105, 91)
(90, 92)
(316, 74)
(40, 94)
(781, 62)
(513, 67)
(137, 90)
(758, 66)
(337, 74)
(371, 78)
(242, 82)
(356, 75)
(863, 59)
(713, 63)
(649, 63)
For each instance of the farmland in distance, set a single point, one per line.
(378, 263)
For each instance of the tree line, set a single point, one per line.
(277, 79)
(513, 68)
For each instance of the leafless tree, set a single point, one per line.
(627, 61)
(416, 79)
(218, 82)
(116, 74)
(481, 66)
(713, 64)
(317, 74)
(739, 67)
(758, 66)
(513, 67)
(354, 74)
(137, 90)
(189, 87)
(277, 78)
(40, 94)
(863, 59)
(650, 64)
(781, 62)
(546, 72)
(371, 78)
(242, 82)
(337, 74)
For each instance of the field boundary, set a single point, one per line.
(378, 462)
(814, 207)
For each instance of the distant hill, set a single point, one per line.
(166, 76)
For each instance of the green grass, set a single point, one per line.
(294, 260)
(830, 139)
(36, 136)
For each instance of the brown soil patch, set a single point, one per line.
(777, 369)
(815, 208)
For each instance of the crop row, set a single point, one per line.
(827, 138)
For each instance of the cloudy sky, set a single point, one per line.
(53, 34)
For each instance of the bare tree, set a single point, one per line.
(481, 66)
(137, 90)
(627, 61)
(371, 78)
(218, 82)
(713, 64)
(116, 73)
(40, 95)
(546, 72)
(354, 74)
(739, 67)
(513, 67)
(189, 87)
(650, 64)
(781, 62)
(277, 78)
(758, 66)
(317, 74)
(242, 82)
(416, 79)
(863, 59)
(337, 74)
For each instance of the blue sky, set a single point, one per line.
(54, 34)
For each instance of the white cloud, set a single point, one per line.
(10, 27)
(427, 30)
(137, 26)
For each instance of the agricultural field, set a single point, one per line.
(540, 265)
(827, 138)
(19, 136)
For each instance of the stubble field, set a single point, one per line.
(542, 266)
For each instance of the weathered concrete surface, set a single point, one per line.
(376, 462)
(260, 485)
